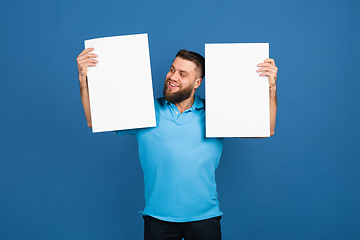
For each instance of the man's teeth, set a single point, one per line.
(173, 85)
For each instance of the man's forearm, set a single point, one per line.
(273, 108)
(84, 93)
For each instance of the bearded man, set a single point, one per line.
(178, 161)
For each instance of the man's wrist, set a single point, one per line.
(272, 90)
(83, 80)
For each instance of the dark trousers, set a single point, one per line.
(208, 229)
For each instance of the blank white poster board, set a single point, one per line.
(237, 98)
(120, 86)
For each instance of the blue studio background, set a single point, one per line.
(59, 181)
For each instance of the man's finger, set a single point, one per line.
(86, 58)
(87, 62)
(87, 55)
(86, 50)
(270, 60)
(269, 69)
(267, 64)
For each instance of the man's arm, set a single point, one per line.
(268, 68)
(85, 59)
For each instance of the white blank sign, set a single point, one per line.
(120, 86)
(237, 98)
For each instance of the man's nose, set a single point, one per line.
(174, 76)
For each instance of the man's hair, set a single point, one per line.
(195, 58)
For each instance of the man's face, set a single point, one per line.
(181, 81)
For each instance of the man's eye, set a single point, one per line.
(172, 70)
(182, 74)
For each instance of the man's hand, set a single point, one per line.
(84, 60)
(269, 69)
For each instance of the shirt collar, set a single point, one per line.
(198, 104)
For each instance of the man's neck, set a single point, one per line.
(186, 104)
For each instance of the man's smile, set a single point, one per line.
(173, 85)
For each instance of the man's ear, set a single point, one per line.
(198, 82)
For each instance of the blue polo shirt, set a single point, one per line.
(179, 164)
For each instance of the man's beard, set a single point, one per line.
(179, 96)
